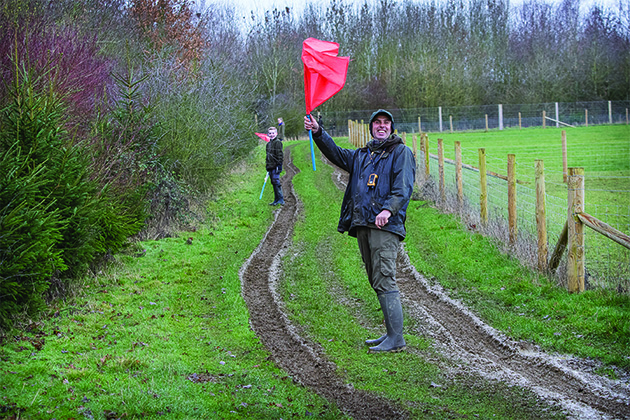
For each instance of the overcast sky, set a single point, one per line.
(246, 6)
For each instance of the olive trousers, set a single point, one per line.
(379, 250)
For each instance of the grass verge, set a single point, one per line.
(163, 333)
(510, 297)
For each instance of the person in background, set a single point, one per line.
(273, 164)
(374, 208)
(281, 125)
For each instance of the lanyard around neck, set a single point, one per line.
(378, 158)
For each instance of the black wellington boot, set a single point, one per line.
(376, 341)
(275, 195)
(280, 199)
(392, 311)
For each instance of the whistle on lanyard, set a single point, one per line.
(372, 180)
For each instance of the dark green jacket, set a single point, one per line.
(274, 154)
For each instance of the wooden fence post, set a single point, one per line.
(483, 188)
(354, 134)
(441, 171)
(541, 218)
(350, 132)
(427, 171)
(486, 122)
(363, 134)
(511, 175)
(420, 174)
(414, 144)
(544, 119)
(519, 121)
(458, 176)
(450, 120)
(575, 257)
(564, 156)
(586, 117)
(419, 125)
(554, 261)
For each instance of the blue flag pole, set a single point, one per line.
(310, 136)
(264, 183)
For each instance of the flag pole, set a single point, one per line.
(310, 136)
(263, 188)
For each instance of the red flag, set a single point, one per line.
(262, 136)
(324, 72)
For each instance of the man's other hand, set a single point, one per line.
(382, 218)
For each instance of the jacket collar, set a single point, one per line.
(376, 145)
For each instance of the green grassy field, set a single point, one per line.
(603, 152)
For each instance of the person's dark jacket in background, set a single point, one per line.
(274, 160)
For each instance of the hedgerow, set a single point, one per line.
(114, 116)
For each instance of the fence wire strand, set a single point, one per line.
(607, 263)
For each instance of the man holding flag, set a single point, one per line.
(273, 164)
(373, 210)
(381, 181)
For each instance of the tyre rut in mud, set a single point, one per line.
(303, 360)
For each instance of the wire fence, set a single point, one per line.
(490, 117)
(607, 263)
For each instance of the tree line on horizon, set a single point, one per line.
(416, 54)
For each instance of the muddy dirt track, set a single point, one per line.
(457, 334)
